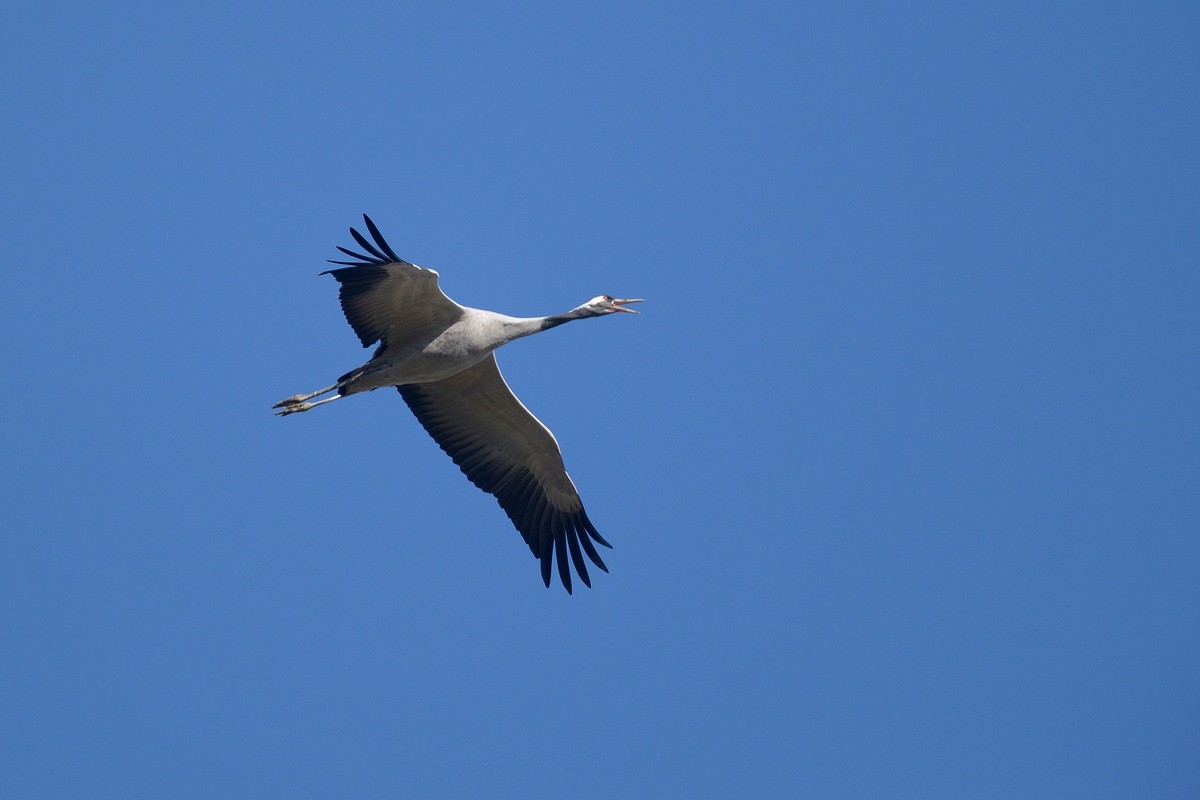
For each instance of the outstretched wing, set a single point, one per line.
(386, 299)
(504, 450)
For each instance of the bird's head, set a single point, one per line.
(604, 304)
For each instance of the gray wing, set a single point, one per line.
(386, 299)
(505, 451)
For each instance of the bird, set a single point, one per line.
(440, 356)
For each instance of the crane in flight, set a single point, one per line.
(441, 357)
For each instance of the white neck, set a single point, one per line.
(517, 327)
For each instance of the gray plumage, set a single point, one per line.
(440, 356)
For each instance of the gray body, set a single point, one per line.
(462, 345)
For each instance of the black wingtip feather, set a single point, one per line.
(576, 556)
(379, 240)
(380, 253)
(591, 529)
(363, 259)
(370, 248)
(590, 549)
(560, 550)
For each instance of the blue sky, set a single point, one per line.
(899, 462)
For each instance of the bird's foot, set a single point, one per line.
(290, 401)
(291, 408)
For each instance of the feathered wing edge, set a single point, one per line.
(380, 252)
(550, 532)
(372, 287)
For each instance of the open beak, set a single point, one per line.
(618, 305)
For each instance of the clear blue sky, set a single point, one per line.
(900, 461)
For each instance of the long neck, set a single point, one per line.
(581, 312)
(516, 327)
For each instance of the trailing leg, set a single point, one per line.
(286, 408)
(300, 398)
